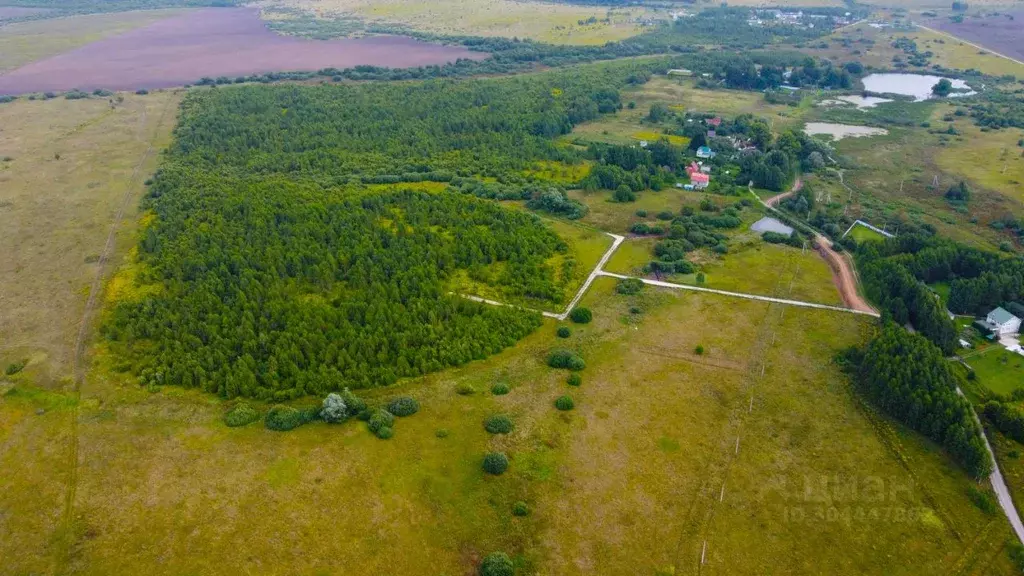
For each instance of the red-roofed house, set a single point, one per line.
(716, 122)
(700, 181)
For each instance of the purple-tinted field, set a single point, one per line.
(998, 33)
(212, 42)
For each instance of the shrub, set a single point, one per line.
(385, 433)
(566, 359)
(403, 406)
(441, 433)
(641, 213)
(353, 404)
(564, 403)
(284, 418)
(564, 332)
(15, 367)
(241, 414)
(495, 463)
(500, 389)
(334, 409)
(142, 91)
(665, 215)
(699, 350)
(581, 315)
(499, 424)
(465, 389)
(983, 500)
(574, 379)
(364, 414)
(520, 509)
(629, 286)
(497, 564)
(379, 420)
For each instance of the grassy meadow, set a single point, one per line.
(71, 164)
(24, 42)
(548, 22)
(165, 488)
(998, 370)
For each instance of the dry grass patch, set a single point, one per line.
(72, 163)
(548, 22)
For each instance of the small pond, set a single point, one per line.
(840, 131)
(768, 224)
(918, 86)
(857, 100)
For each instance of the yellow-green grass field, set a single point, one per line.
(559, 172)
(24, 42)
(865, 234)
(752, 266)
(875, 46)
(548, 22)
(618, 217)
(1009, 455)
(163, 487)
(627, 126)
(998, 370)
(993, 160)
(71, 163)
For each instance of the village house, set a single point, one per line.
(1002, 322)
(700, 180)
(705, 152)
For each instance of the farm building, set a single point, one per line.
(705, 152)
(1002, 322)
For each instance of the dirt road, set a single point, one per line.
(774, 200)
(842, 268)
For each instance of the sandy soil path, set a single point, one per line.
(843, 272)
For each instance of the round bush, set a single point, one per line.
(354, 404)
(283, 418)
(574, 379)
(385, 433)
(629, 286)
(364, 414)
(500, 389)
(566, 359)
(334, 409)
(500, 424)
(497, 564)
(564, 403)
(465, 389)
(564, 332)
(699, 350)
(403, 406)
(495, 463)
(641, 213)
(240, 415)
(380, 418)
(441, 433)
(520, 509)
(581, 315)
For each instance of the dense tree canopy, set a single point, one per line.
(271, 271)
(908, 378)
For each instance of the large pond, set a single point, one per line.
(769, 224)
(840, 131)
(918, 86)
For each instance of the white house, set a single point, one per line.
(1002, 322)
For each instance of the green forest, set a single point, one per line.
(279, 273)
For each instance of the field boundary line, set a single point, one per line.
(969, 43)
(78, 369)
(758, 297)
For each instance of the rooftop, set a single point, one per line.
(1001, 316)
